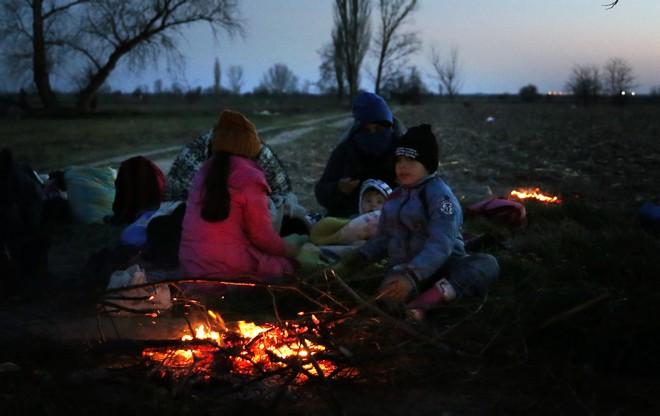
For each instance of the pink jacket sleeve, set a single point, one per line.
(257, 222)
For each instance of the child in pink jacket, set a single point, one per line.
(227, 231)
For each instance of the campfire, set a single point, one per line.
(534, 194)
(346, 338)
(248, 349)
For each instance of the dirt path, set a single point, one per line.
(164, 157)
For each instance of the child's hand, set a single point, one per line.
(310, 259)
(350, 263)
(396, 287)
(294, 243)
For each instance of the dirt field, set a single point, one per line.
(606, 157)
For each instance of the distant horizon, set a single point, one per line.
(502, 46)
(207, 93)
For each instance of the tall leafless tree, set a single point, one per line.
(91, 37)
(618, 76)
(351, 37)
(158, 86)
(217, 75)
(447, 71)
(32, 35)
(235, 78)
(331, 74)
(392, 47)
(585, 83)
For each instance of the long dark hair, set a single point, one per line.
(216, 199)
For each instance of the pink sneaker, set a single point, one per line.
(441, 292)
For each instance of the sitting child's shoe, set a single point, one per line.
(441, 292)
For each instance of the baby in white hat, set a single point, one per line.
(346, 231)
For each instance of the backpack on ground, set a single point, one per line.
(90, 192)
(511, 214)
(139, 187)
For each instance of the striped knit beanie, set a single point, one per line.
(376, 184)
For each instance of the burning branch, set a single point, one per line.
(534, 194)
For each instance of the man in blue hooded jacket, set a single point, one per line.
(365, 153)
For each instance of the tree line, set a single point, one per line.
(588, 82)
(81, 42)
(390, 46)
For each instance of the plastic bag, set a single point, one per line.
(144, 299)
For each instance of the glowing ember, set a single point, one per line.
(535, 194)
(181, 358)
(270, 346)
(249, 349)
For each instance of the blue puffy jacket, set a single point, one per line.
(420, 228)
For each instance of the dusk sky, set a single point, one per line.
(503, 45)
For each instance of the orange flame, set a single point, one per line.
(535, 194)
(283, 343)
(266, 346)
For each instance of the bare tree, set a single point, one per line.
(338, 64)
(217, 75)
(279, 79)
(31, 37)
(618, 76)
(235, 75)
(391, 47)
(610, 5)
(158, 86)
(447, 71)
(585, 83)
(406, 89)
(91, 37)
(331, 74)
(351, 37)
